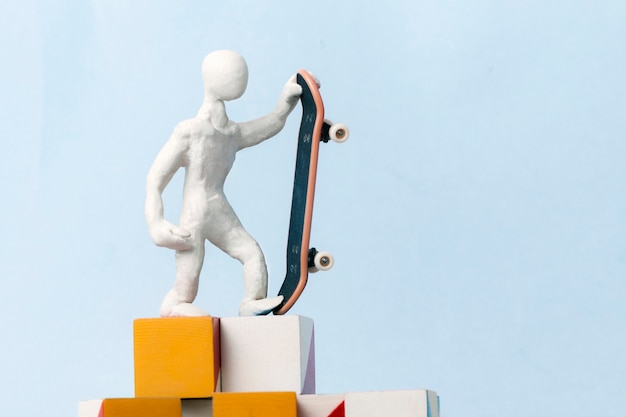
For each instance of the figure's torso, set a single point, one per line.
(208, 159)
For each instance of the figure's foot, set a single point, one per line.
(183, 310)
(259, 307)
(174, 306)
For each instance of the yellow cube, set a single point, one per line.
(131, 407)
(177, 357)
(254, 404)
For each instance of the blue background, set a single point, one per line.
(477, 214)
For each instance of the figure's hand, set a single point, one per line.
(291, 91)
(167, 235)
(288, 98)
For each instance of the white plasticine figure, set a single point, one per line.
(206, 146)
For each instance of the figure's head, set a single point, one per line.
(225, 75)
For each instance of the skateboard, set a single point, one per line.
(301, 259)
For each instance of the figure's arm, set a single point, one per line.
(258, 130)
(167, 162)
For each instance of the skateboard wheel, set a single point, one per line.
(339, 132)
(323, 261)
(313, 270)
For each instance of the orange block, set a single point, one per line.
(254, 404)
(132, 407)
(177, 357)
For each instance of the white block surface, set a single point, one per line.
(89, 408)
(268, 353)
(318, 405)
(414, 403)
(202, 407)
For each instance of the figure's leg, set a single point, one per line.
(239, 244)
(177, 302)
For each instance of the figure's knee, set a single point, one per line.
(240, 245)
(250, 252)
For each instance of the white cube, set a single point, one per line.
(328, 405)
(413, 403)
(268, 353)
(89, 408)
(200, 407)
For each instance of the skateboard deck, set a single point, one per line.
(298, 252)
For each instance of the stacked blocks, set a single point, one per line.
(242, 366)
